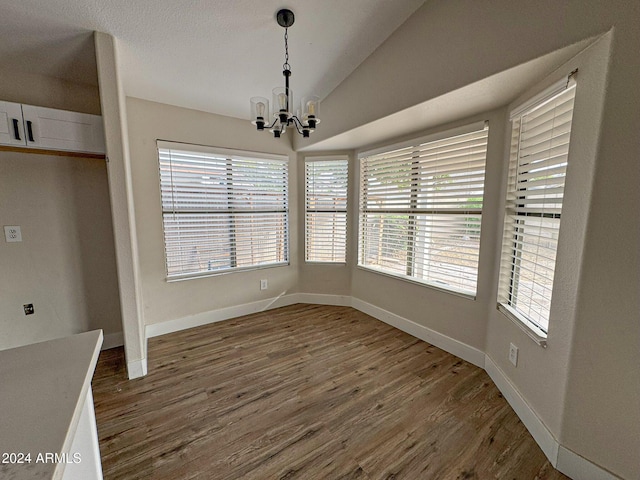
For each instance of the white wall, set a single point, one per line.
(65, 264)
(164, 301)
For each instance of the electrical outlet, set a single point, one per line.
(264, 284)
(12, 233)
(28, 309)
(513, 354)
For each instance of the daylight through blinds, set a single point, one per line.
(221, 210)
(326, 210)
(421, 210)
(538, 164)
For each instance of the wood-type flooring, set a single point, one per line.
(306, 392)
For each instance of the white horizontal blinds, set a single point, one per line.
(326, 210)
(539, 153)
(421, 210)
(222, 211)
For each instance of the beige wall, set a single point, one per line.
(114, 118)
(588, 390)
(32, 89)
(164, 300)
(542, 373)
(65, 264)
(584, 386)
(602, 413)
(448, 45)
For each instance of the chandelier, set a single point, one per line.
(306, 119)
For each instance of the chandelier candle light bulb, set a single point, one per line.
(283, 97)
(282, 100)
(259, 112)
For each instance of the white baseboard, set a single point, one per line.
(448, 344)
(575, 466)
(323, 299)
(540, 433)
(561, 458)
(113, 340)
(205, 318)
(137, 368)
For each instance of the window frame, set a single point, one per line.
(415, 143)
(229, 155)
(307, 210)
(512, 231)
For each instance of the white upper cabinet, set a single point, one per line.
(50, 129)
(61, 130)
(11, 125)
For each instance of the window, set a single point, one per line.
(537, 166)
(421, 209)
(326, 209)
(222, 210)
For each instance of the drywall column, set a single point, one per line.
(120, 189)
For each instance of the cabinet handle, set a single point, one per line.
(16, 129)
(30, 130)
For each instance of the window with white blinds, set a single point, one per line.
(326, 209)
(222, 210)
(537, 168)
(421, 209)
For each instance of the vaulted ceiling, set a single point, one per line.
(210, 55)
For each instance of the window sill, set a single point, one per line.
(223, 272)
(538, 336)
(314, 262)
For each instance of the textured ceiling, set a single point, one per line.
(209, 55)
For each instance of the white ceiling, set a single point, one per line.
(210, 55)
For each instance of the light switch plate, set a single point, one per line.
(12, 233)
(513, 354)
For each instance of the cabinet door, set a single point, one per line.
(11, 127)
(62, 130)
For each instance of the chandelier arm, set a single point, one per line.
(275, 120)
(297, 123)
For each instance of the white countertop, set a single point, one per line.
(42, 391)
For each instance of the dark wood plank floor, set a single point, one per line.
(306, 392)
